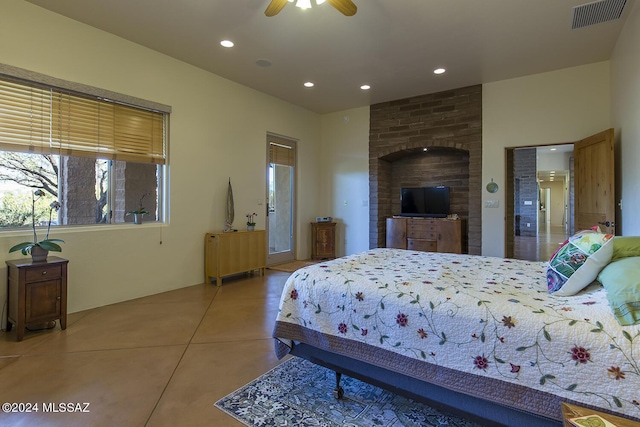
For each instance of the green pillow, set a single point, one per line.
(621, 279)
(625, 246)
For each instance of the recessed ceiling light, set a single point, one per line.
(226, 43)
(553, 149)
(439, 71)
(309, 84)
(365, 87)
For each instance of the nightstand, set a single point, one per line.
(571, 411)
(323, 240)
(37, 293)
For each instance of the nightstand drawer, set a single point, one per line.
(46, 272)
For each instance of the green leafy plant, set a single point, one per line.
(47, 244)
(141, 209)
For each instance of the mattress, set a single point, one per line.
(483, 326)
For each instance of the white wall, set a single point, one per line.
(345, 177)
(218, 130)
(625, 109)
(555, 213)
(549, 108)
(553, 161)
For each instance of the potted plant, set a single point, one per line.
(251, 224)
(39, 250)
(140, 212)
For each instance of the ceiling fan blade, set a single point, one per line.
(346, 7)
(274, 7)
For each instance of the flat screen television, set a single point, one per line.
(430, 202)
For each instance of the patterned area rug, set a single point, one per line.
(299, 393)
(292, 266)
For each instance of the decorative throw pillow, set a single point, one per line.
(578, 262)
(625, 246)
(621, 279)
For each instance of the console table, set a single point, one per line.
(37, 293)
(234, 252)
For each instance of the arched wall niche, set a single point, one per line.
(449, 126)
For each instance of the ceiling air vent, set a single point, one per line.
(596, 13)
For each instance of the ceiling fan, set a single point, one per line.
(346, 7)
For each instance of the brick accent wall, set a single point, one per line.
(78, 201)
(132, 181)
(449, 125)
(526, 190)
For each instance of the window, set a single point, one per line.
(99, 158)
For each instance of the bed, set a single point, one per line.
(481, 336)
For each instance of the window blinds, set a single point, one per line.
(280, 154)
(48, 120)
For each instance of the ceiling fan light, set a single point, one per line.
(304, 4)
(319, 2)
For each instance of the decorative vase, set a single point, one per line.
(251, 227)
(137, 218)
(38, 254)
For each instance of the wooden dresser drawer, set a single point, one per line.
(46, 272)
(422, 233)
(422, 245)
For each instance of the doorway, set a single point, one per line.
(280, 222)
(540, 200)
(589, 194)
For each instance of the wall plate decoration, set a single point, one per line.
(492, 187)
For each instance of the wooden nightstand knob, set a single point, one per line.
(44, 273)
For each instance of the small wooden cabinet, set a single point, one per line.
(323, 240)
(236, 252)
(37, 293)
(426, 234)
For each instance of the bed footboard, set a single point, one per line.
(472, 408)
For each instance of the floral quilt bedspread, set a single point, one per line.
(482, 316)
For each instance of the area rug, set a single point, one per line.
(299, 393)
(292, 266)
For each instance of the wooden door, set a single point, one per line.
(397, 233)
(450, 236)
(42, 301)
(594, 182)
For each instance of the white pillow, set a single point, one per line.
(577, 263)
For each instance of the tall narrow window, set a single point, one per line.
(281, 197)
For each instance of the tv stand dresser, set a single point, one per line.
(426, 234)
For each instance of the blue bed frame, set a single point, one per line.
(482, 411)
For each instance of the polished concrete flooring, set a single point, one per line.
(162, 360)
(542, 246)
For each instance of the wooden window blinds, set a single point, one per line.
(40, 119)
(281, 154)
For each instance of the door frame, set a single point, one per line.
(510, 211)
(288, 255)
(510, 190)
